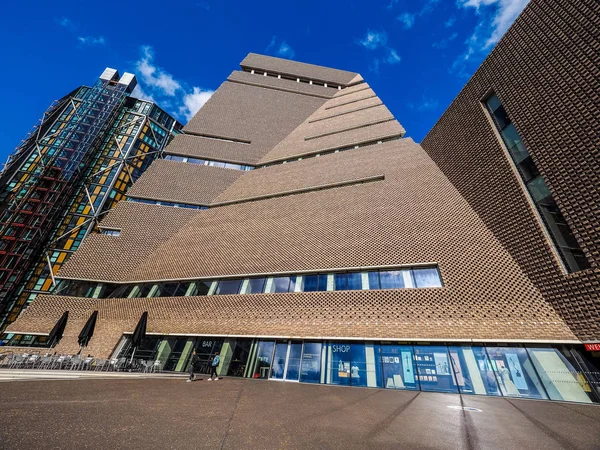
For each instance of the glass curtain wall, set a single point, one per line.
(538, 372)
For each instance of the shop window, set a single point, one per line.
(472, 371)
(515, 372)
(310, 371)
(398, 367)
(560, 379)
(434, 369)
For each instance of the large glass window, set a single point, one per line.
(262, 360)
(314, 283)
(515, 372)
(560, 232)
(434, 369)
(425, 278)
(311, 363)
(398, 367)
(560, 379)
(352, 364)
(283, 284)
(391, 279)
(255, 285)
(228, 287)
(472, 371)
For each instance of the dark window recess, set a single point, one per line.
(561, 234)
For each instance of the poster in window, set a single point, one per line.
(441, 363)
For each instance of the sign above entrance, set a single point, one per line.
(593, 347)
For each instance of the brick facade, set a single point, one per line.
(545, 71)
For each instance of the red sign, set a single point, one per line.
(592, 347)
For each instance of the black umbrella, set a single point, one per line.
(59, 328)
(139, 333)
(88, 331)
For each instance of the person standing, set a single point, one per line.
(193, 362)
(213, 366)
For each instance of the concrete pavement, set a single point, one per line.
(236, 413)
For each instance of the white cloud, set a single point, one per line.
(494, 19)
(448, 23)
(159, 86)
(280, 48)
(193, 101)
(407, 20)
(91, 40)
(503, 15)
(67, 23)
(138, 92)
(373, 39)
(286, 51)
(392, 56)
(155, 76)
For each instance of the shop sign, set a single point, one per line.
(592, 347)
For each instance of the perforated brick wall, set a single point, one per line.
(545, 71)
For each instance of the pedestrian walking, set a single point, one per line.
(213, 366)
(193, 362)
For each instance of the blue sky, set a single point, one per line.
(415, 54)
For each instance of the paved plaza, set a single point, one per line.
(161, 413)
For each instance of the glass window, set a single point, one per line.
(198, 288)
(374, 280)
(398, 367)
(391, 279)
(560, 379)
(351, 364)
(281, 284)
(228, 287)
(262, 361)
(539, 189)
(255, 285)
(314, 283)
(425, 278)
(166, 290)
(311, 363)
(434, 369)
(472, 371)
(574, 258)
(354, 281)
(341, 281)
(515, 372)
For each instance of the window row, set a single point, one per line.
(293, 78)
(555, 223)
(209, 162)
(335, 150)
(403, 278)
(163, 203)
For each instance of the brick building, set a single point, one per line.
(297, 231)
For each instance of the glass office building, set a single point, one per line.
(48, 206)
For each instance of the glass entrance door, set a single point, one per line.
(286, 361)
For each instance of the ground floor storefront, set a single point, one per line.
(553, 372)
